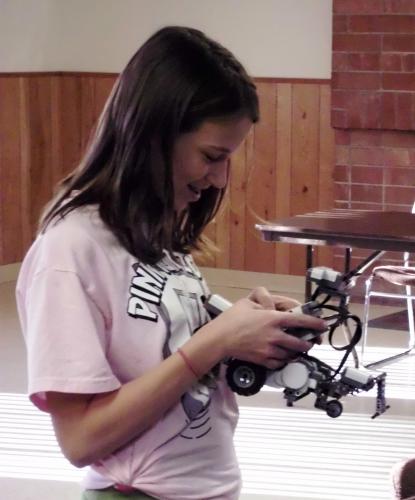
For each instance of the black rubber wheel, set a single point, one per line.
(245, 378)
(334, 408)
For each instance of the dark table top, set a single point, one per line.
(348, 228)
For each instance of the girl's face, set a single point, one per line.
(201, 157)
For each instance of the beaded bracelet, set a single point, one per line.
(187, 362)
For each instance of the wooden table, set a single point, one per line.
(375, 230)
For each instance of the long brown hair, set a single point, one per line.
(177, 79)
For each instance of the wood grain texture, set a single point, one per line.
(284, 166)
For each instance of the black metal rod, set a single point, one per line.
(309, 265)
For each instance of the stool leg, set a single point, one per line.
(365, 317)
(409, 305)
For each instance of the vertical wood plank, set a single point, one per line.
(305, 157)
(283, 170)
(237, 193)
(11, 239)
(325, 255)
(67, 125)
(88, 110)
(38, 105)
(103, 87)
(223, 234)
(260, 256)
(25, 202)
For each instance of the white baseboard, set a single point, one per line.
(276, 283)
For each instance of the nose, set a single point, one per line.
(218, 174)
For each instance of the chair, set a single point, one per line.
(402, 276)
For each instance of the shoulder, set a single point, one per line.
(71, 243)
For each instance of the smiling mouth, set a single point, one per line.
(194, 190)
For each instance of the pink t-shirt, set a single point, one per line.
(95, 318)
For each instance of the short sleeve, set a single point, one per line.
(66, 338)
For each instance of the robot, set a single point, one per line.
(307, 374)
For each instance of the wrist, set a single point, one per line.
(205, 349)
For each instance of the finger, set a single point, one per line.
(274, 364)
(281, 353)
(291, 343)
(286, 320)
(282, 303)
(261, 295)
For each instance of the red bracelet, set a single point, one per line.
(188, 363)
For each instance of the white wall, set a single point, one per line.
(275, 38)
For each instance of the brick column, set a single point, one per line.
(373, 105)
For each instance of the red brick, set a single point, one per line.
(399, 195)
(362, 24)
(364, 109)
(404, 111)
(361, 205)
(413, 116)
(398, 139)
(366, 193)
(364, 62)
(342, 155)
(397, 43)
(339, 98)
(366, 175)
(341, 137)
(366, 138)
(356, 43)
(341, 191)
(341, 173)
(341, 204)
(339, 23)
(373, 117)
(397, 157)
(398, 208)
(400, 177)
(356, 80)
(358, 6)
(366, 156)
(391, 61)
(388, 110)
(396, 24)
(356, 117)
(340, 61)
(408, 62)
(339, 119)
(398, 81)
(400, 6)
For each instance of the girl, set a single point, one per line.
(121, 351)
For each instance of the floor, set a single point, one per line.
(296, 453)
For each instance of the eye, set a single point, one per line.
(213, 158)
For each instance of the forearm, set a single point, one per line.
(89, 430)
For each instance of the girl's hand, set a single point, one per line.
(252, 333)
(260, 295)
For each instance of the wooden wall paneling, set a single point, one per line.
(260, 205)
(103, 87)
(305, 158)
(283, 141)
(237, 201)
(88, 110)
(67, 125)
(11, 238)
(25, 199)
(37, 104)
(325, 255)
(223, 235)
